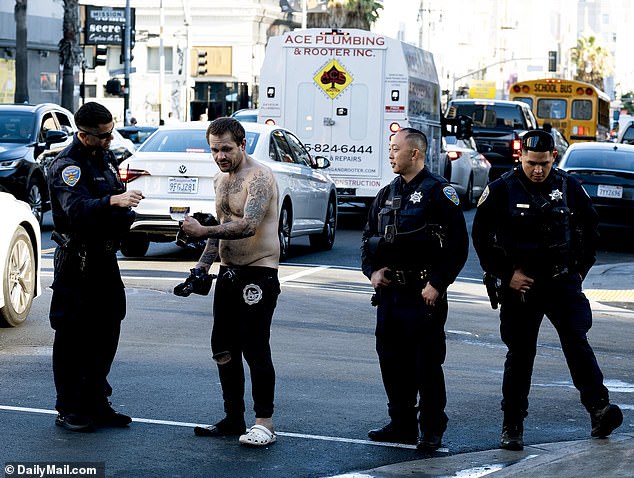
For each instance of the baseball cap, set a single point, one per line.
(538, 140)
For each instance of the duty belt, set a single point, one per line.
(409, 277)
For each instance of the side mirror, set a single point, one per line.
(484, 148)
(54, 136)
(320, 162)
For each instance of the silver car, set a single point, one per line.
(174, 168)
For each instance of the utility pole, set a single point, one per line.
(126, 63)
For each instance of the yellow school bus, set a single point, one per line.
(580, 111)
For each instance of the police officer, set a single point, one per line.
(414, 245)
(91, 212)
(535, 230)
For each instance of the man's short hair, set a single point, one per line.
(537, 140)
(220, 126)
(416, 138)
(92, 115)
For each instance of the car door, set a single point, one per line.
(290, 178)
(313, 181)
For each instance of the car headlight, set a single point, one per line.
(9, 164)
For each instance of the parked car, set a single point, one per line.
(469, 168)
(26, 132)
(497, 126)
(122, 147)
(246, 115)
(137, 134)
(606, 171)
(626, 135)
(20, 253)
(174, 169)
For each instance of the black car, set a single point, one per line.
(606, 172)
(497, 127)
(26, 132)
(137, 134)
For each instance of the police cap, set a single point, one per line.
(538, 140)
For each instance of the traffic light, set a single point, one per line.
(202, 63)
(113, 87)
(101, 55)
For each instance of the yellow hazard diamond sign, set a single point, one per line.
(333, 78)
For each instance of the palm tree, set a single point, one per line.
(69, 52)
(592, 61)
(21, 94)
(346, 14)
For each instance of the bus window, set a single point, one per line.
(551, 109)
(582, 110)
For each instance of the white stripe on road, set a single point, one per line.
(307, 272)
(150, 421)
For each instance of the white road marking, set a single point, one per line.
(150, 421)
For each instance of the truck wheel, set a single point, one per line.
(325, 240)
(135, 245)
(284, 231)
(18, 288)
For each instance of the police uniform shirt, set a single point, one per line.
(426, 199)
(81, 184)
(505, 203)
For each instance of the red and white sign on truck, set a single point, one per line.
(344, 93)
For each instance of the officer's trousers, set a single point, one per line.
(410, 343)
(565, 305)
(244, 302)
(87, 307)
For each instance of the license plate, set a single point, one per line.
(182, 185)
(605, 191)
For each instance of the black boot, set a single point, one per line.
(605, 420)
(512, 436)
(393, 433)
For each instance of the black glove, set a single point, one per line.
(198, 282)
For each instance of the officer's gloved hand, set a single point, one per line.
(198, 282)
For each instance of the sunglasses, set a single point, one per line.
(538, 143)
(105, 135)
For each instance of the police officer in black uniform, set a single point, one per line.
(535, 232)
(91, 212)
(414, 245)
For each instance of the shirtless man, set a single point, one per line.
(247, 286)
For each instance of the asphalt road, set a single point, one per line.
(328, 392)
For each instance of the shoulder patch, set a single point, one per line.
(484, 196)
(71, 175)
(451, 194)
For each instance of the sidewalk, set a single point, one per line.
(597, 458)
(610, 288)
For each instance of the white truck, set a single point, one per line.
(344, 93)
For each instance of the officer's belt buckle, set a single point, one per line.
(400, 277)
(404, 278)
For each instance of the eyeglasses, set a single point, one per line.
(106, 135)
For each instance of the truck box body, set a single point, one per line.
(344, 93)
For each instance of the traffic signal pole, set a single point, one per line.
(126, 64)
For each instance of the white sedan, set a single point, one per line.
(20, 253)
(174, 169)
(469, 169)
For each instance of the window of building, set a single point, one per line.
(153, 59)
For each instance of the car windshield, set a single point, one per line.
(596, 159)
(492, 116)
(16, 127)
(176, 141)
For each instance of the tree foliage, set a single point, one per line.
(592, 61)
(69, 52)
(346, 14)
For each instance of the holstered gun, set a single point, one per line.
(493, 286)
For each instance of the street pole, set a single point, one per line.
(126, 64)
